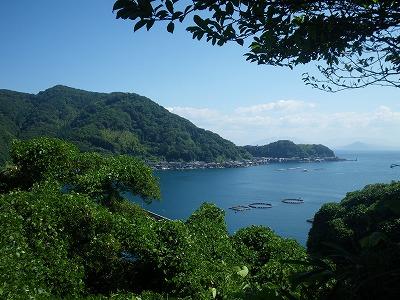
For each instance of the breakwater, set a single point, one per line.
(257, 161)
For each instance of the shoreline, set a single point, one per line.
(194, 165)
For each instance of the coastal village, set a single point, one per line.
(257, 161)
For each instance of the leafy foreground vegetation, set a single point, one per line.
(65, 232)
(361, 237)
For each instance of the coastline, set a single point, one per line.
(257, 161)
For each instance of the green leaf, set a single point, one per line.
(149, 24)
(213, 292)
(120, 4)
(199, 21)
(139, 24)
(240, 41)
(242, 271)
(229, 8)
(169, 6)
(170, 27)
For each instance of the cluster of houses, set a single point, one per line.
(181, 165)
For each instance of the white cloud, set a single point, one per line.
(299, 119)
(281, 105)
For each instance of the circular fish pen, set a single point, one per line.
(239, 208)
(293, 201)
(260, 205)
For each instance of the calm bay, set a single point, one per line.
(316, 183)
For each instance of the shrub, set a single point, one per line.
(360, 235)
(269, 256)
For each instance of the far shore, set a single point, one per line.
(257, 161)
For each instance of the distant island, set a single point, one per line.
(288, 149)
(360, 146)
(127, 123)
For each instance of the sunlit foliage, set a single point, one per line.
(66, 232)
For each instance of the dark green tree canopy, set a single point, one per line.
(360, 235)
(103, 177)
(355, 43)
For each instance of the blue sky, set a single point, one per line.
(82, 45)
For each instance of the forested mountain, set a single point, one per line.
(110, 123)
(124, 123)
(285, 149)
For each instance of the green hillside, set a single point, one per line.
(286, 149)
(120, 123)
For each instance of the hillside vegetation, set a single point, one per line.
(66, 232)
(117, 123)
(286, 149)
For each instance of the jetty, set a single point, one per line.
(155, 216)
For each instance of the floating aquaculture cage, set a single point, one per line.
(261, 205)
(239, 208)
(293, 201)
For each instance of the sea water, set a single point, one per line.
(316, 183)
